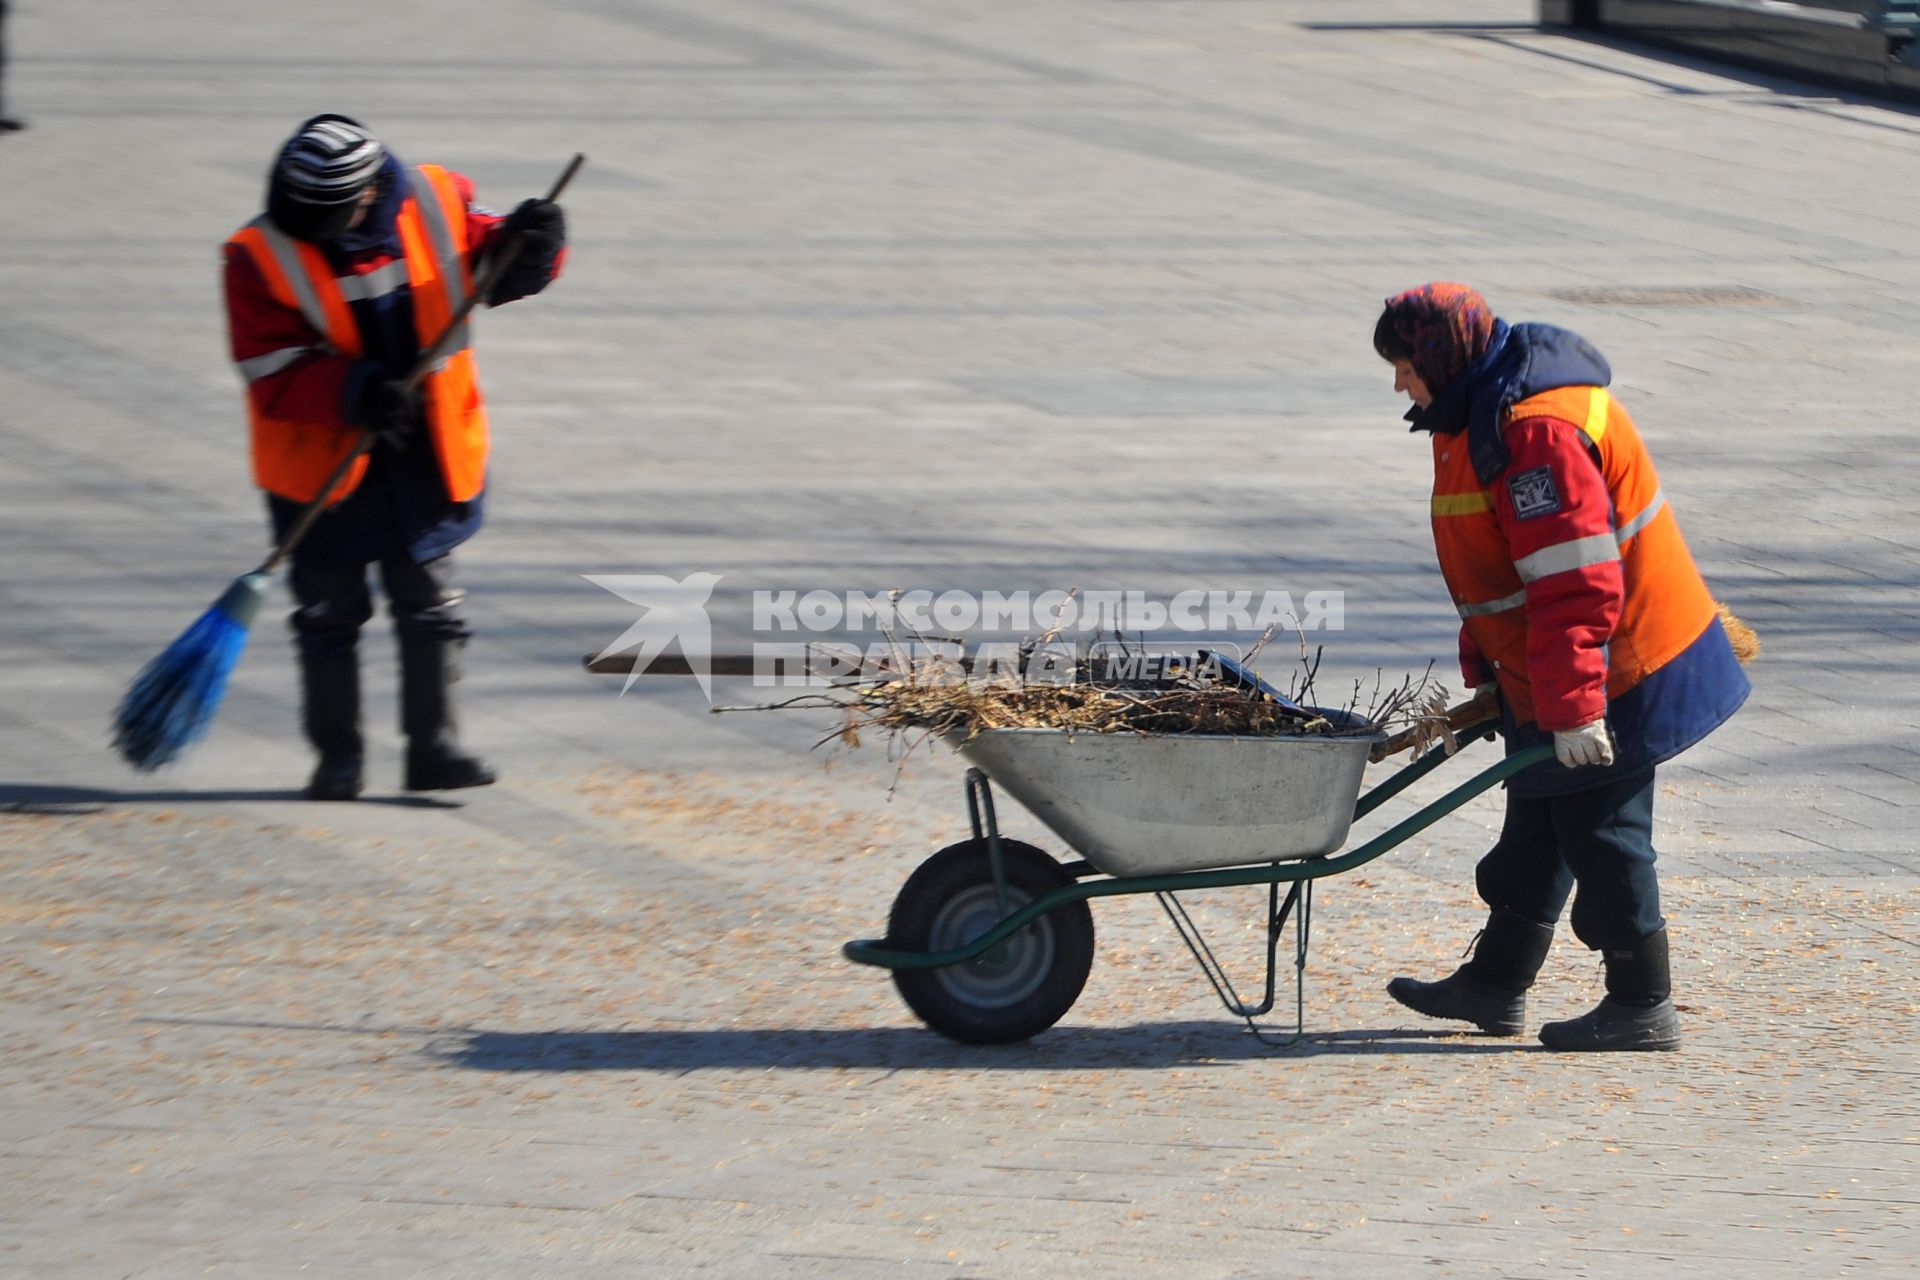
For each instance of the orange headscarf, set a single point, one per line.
(1442, 327)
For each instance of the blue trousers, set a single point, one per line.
(335, 602)
(1595, 845)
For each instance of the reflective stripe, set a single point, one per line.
(287, 255)
(452, 273)
(1640, 521)
(1462, 504)
(1596, 424)
(1562, 556)
(271, 363)
(374, 284)
(1486, 607)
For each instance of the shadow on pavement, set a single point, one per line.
(1143, 1045)
(28, 797)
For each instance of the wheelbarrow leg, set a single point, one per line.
(1299, 899)
(1302, 935)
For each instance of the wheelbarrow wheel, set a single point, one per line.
(1019, 988)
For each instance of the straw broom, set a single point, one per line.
(173, 700)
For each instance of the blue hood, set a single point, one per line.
(1521, 360)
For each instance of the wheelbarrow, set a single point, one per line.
(990, 940)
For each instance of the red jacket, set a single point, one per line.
(1569, 570)
(304, 380)
(1574, 586)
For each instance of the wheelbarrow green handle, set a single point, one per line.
(875, 951)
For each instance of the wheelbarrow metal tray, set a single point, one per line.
(1135, 805)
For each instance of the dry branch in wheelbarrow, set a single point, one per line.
(1204, 693)
(1437, 724)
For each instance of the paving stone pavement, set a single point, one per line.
(875, 293)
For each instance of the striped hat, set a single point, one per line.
(319, 175)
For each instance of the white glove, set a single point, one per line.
(1588, 744)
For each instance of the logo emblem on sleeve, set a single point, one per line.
(1533, 493)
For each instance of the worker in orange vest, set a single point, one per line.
(1582, 612)
(356, 267)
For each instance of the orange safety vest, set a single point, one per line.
(293, 459)
(1666, 604)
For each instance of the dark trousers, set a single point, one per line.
(1596, 845)
(335, 603)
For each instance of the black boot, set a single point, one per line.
(428, 668)
(1637, 1012)
(1490, 990)
(330, 712)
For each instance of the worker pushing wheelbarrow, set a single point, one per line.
(1585, 628)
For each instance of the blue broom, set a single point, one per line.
(173, 700)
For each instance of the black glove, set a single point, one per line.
(545, 231)
(542, 223)
(391, 410)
